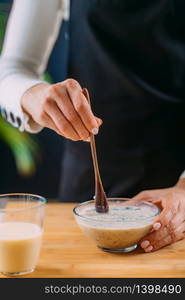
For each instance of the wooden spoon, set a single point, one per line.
(101, 202)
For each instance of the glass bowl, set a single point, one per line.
(121, 228)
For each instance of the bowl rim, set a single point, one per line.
(112, 199)
(41, 201)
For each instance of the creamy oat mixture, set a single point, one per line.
(123, 226)
(120, 215)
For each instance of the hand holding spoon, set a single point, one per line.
(101, 203)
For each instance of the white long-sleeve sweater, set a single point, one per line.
(32, 30)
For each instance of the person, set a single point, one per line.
(130, 55)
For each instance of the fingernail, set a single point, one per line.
(149, 249)
(94, 131)
(145, 244)
(156, 226)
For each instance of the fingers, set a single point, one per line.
(82, 106)
(180, 230)
(153, 237)
(132, 201)
(65, 105)
(164, 218)
(161, 230)
(169, 226)
(63, 108)
(146, 194)
(179, 234)
(62, 124)
(156, 225)
(160, 244)
(99, 121)
(73, 118)
(156, 240)
(152, 195)
(74, 109)
(170, 229)
(157, 197)
(170, 213)
(149, 196)
(50, 123)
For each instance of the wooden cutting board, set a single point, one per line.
(67, 252)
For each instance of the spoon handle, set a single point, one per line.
(100, 198)
(101, 202)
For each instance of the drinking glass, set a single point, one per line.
(21, 229)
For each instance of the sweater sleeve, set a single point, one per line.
(32, 30)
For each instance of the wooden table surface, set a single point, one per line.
(67, 252)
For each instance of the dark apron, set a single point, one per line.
(131, 57)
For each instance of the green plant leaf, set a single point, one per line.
(47, 77)
(25, 149)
